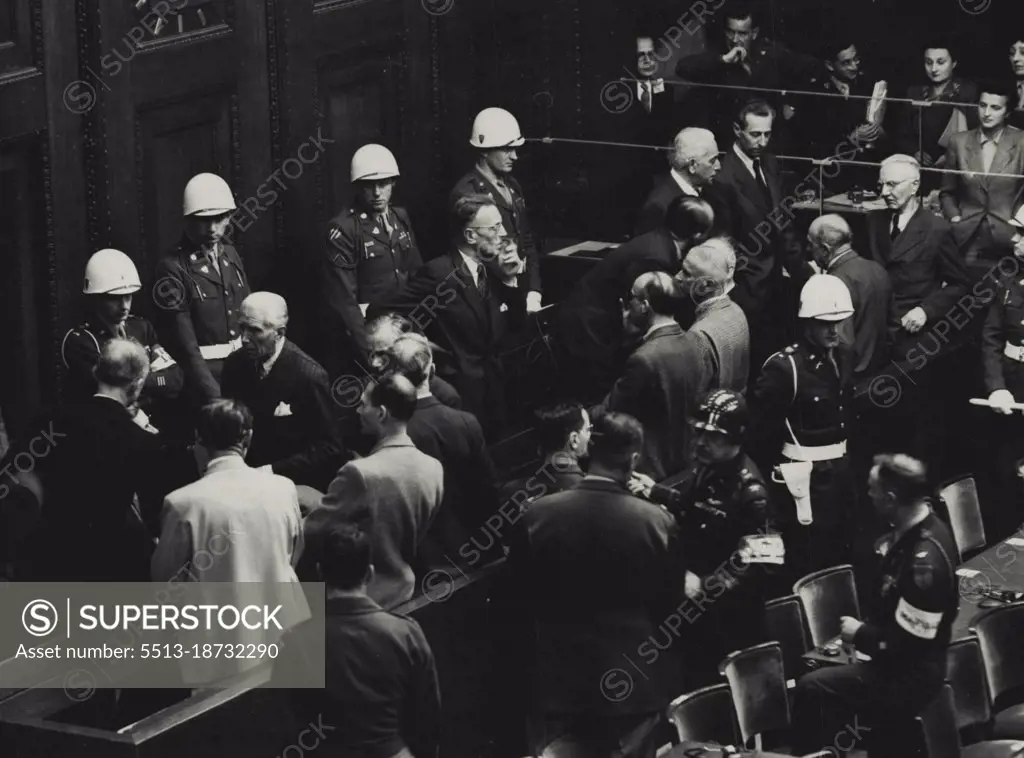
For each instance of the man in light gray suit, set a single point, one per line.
(235, 525)
(394, 492)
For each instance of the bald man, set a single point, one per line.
(693, 163)
(661, 379)
(866, 334)
(720, 329)
(295, 419)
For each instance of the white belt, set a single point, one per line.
(1014, 353)
(814, 452)
(220, 352)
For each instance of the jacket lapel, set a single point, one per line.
(1005, 153)
(200, 265)
(469, 290)
(912, 237)
(378, 230)
(493, 192)
(973, 157)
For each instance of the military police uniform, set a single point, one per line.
(908, 628)
(801, 402)
(720, 506)
(514, 217)
(80, 351)
(364, 263)
(197, 304)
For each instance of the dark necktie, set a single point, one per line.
(481, 282)
(120, 332)
(760, 180)
(386, 223)
(646, 98)
(894, 230)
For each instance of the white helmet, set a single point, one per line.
(496, 127)
(207, 195)
(372, 163)
(110, 272)
(825, 297)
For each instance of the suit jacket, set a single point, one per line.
(922, 127)
(375, 710)
(659, 389)
(762, 230)
(925, 269)
(514, 216)
(589, 322)
(98, 460)
(400, 489)
(985, 203)
(568, 552)
(866, 334)
(470, 492)
(295, 418)
(722, 336)
(442, 299)
(652, 212)
(234, 525)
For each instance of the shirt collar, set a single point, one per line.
(472, 265)
(906, 214)
(655, 328)
(994, 139)
(269, 363)
(684, 185)
(840, 254)
(705, 305)
(745, 159)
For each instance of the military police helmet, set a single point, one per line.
(723, 411)
(110, 272)
(373, 163)
(496, 128)
(825, 297)
(207, 195)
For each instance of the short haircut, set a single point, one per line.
(464, 210)
(123, 363)
(556, 422)
(941, 44)
(999, 87)
(659, 290)
(835, 45)
(224, 424)
(738, 10)
(615, 437)
(344, 551)
(714, 259)
(904, 476)
(754, 108)
(831, 230)
(400, 324)
(269, 307)
(901, 159)
(689, 218)
(688, 145)
(413, 357)
(397, 394)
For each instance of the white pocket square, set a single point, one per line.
(283, 410)
(503, 308)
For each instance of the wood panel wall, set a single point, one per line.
(105, 114)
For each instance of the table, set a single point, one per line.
(682, 750)
(999, 567)
(839, 204)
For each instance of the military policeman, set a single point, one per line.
(199, 288)
(908, 627)
(110, 281)
(1002, 351)
(496, 135)
(371, 251)
(800, 409)
(728, 535)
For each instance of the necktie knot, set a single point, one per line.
(894, 230)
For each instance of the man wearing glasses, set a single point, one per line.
(928, 278)
(461, 302)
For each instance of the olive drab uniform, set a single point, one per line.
(365, 261)
(197, 299)
(800, 406)
(80, 351)
(908, 626)
(717, 508)
(512, 205)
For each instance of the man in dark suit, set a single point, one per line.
(295, 429)
(389, 708)
(589, 322)
(456, 440)
(99, 474)
(659, 385)
(929, 279)
(748, 196)
(693, 163)
(563, 431)
(979, 203)
(458, 299)
(866, 334)
(496, 135)
(589, 611)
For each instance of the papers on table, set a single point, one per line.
(1015, 542)
(876, 105)
(967, 573)
(763, 549)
